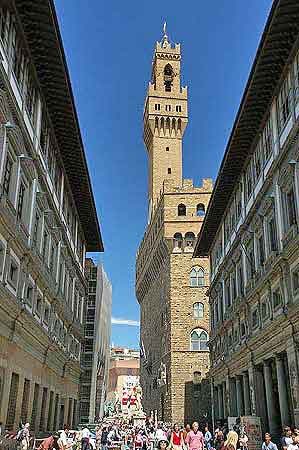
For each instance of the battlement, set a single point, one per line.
(168, 48)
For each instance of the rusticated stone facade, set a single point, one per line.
(171, 285)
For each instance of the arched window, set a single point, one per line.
(168, 76)
(181, 210)
(198, 310)
(178, 240)
(189, 238)
(199, 340)
(200, 210)
(197, 277)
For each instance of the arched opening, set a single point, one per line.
(189, 239)
(168, 77)
(199, 340)
(200, 210)
(178, 240)
(181, 209)
(197, 277)
(198, 310)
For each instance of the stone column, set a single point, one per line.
(228, 398)
(220, 401)
(246, 390)
(224, 400)
(52, 425)
(216, 404)
(39, 408)
(47, 409)
(269, 397)
(5, 396)
(19, 401)
(282, 390)
(71, 403)
(252, 391)
(66, 409)
(239, 396)
(294, 379)
(30, 401)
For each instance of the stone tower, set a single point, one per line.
(165, 120)
(171, 285)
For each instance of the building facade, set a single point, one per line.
(47, 223)
(170, 283)
(96, 349)
(124, 371)
(251, 234)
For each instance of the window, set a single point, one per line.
(199, 340)
(277, 298)
(250, 260)
(267, 140)
(29, 294)
(52, 258)
(21, 197)
(169, 170)
(39, 306)
(181, 210)
(258, 162)
(45, 245)
(255, 319)
(200, 210)
(36, 230)
(227, 293)
(157, 107)
(295, 278)
(197, 277)
(167, 149)
(290, 208)
(178, 240)
(272, 234)
(264, 309)
(13, 273)
(242, 329)
(189, 239)
(46, 314)
(198, 310)
(168, 77)
(31, 98)
(2, 256)
(283, 103)
(168, 107)
(7, 175)
(248, 181)
(178, 108)
(261, 248)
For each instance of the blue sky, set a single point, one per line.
(109, 48)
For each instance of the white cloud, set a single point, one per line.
(133, 323)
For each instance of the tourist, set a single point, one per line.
(162, 444)
(208, 437)
(186, 431)
(195, 439)
(286, 439)
(231, 441)
(295, 440)
(176, 438)
(85, 439)
(104, 438)
(62, 441)
(24, 437)
(160, 434)
(268, 444)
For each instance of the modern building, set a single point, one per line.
(250, 232)
(124, 371)
(96, 349)
(171, 285)
(48, 221)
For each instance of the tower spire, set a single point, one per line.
(165, 42)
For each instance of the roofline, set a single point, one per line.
(202, 248)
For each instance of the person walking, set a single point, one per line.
(268, 444)
(85, 439)
(176, 438)
(208, 437)
(286, 439)
(104, 439)
(231, 441)
(295, 441)
(195, 439)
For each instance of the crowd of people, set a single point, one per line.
(121, 435)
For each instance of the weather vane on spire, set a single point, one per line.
(165, 42)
